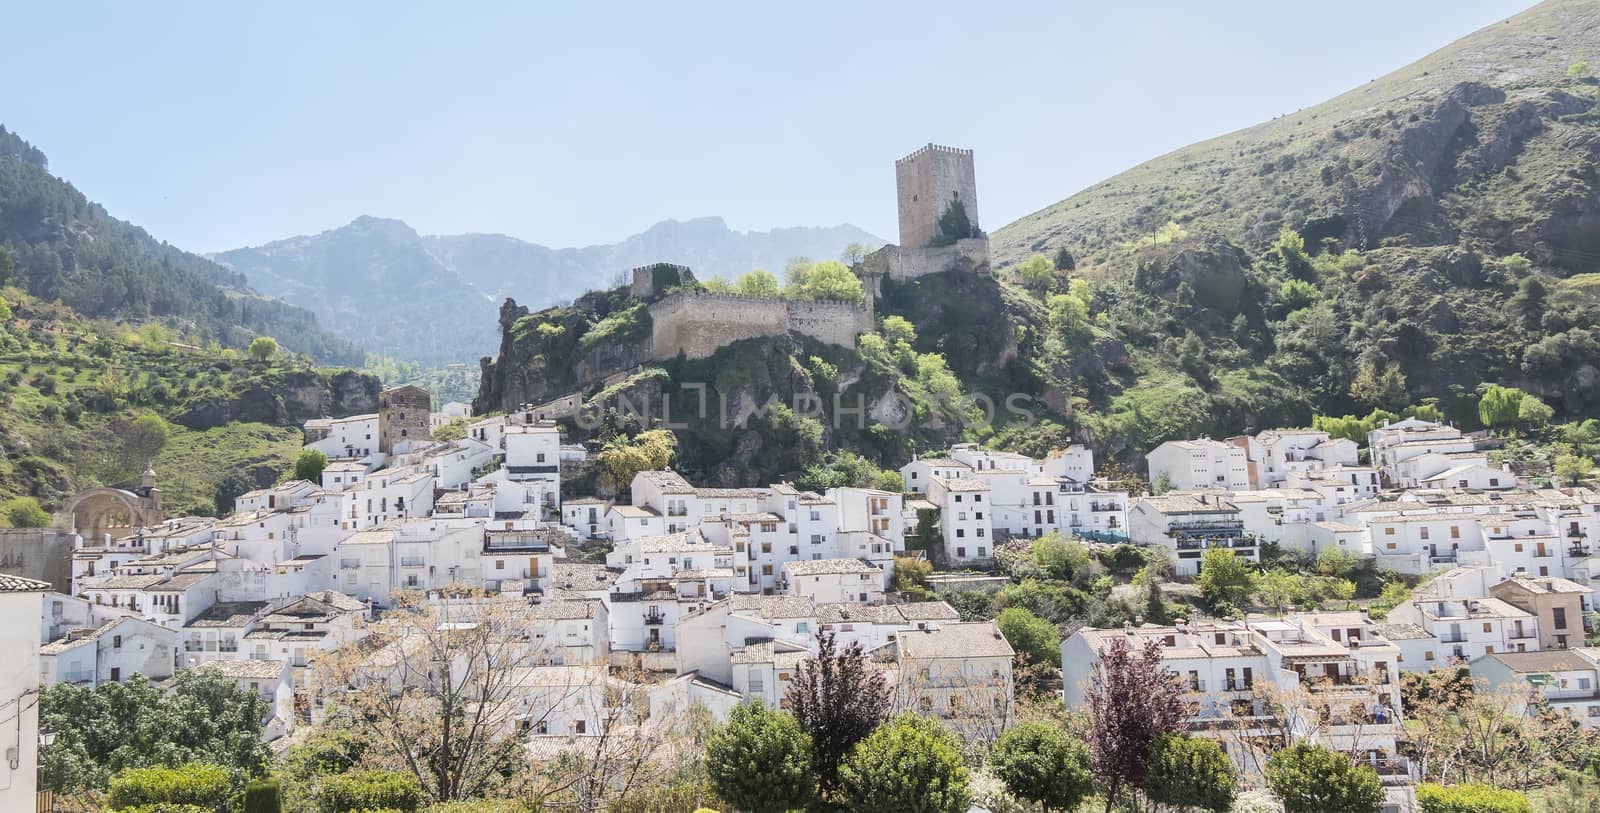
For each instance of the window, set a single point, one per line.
(1487, 627)
(757, 685)
(1455, 531)
(1389, 531)
(1424, 532)
(961, 533)
(961, 553)
(116, 642)
(579, 726)
(499, 564)
(977, 498)
(1560, 617)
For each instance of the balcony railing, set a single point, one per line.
(654, 619)
(77, 676)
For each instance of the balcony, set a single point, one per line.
(1102, 507)
(1452, 638)
(654, 619)
(77, 676)
(1191, 543)
(1206, 525)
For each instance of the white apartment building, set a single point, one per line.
(352, 438)
(1567, 679)
(831, 581)
(21, 601)
(965, 520)
(1278, 454)
(1469, 628)
(1187, 524)
(1203, 463)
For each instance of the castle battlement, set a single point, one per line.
(698, 323)
(932, 148)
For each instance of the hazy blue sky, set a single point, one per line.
(216, 125)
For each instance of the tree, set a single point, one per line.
(761, 761)
(839, 698)
(955, 224)
(1134, 701)
(1383, 388)
(203, 786)
(263, 348)
(908, 765)
(829, 279)
(1290, 250)
(1313, 779)
(1578, 70)
(144, 438)
(1529, 300)
(1065, 260)
(369, 790)
(1190, 772)
(24, 512)
(1572, 469)
(855, 253)
(228, 489)
(1041, 763)
(1161, 485)
(758, 282)
(133, 724)
(622, 458)
(1031, 636)
(1502, 407)
(1225, 579)
(1037, 273)
(1295, 294)
(1534, 413)
(1433, 798)
(8, 263)
(309, 465)
(262, 796)
(452, 730)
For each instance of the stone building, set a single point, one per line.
(403, 417)
(928, 182)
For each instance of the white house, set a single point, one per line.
(1567, 679)
(112, 652)
(20, 603)
(964, 519)
(1189, 523)
(1202, 463)
(827, 581)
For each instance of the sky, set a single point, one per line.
(219, 125)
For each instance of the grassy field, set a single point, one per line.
(193, 462)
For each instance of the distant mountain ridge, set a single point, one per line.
(66, 247)
(358, 278)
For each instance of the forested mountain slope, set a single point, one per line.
(65, 247)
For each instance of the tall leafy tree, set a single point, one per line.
(309, 465)
(839, 698)
(1031, 636)
(1189, 772)
(1313, 779)
(1225, 579)
(760, 761)
(908, 765)
(1043, 764)
(1134, 701)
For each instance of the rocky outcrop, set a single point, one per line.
(287, 399)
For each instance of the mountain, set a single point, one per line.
(1486, 143)
(360, 279)
(62, 246)
(1405, 243)
(375, 283)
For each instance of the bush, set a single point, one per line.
(24, 512)
(369, 790)
(1190, 772)
(1470, 799)
(198, 785)
(480, 806)
(1314, 779)
(911, 764)
(761, 760)
(1042, 763)
(261, 796)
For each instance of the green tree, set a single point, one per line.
(1161, 485)
(1572, 469)
(1043, 764)
(144, 438)
(1190, 772)
(263, 348)
(1037, 273)
(1379, 387)
(761, 761)
(1534, 413)
(955, 225)
(1529, 301)
(759, 282)
(1500, 407)
(910, 764)
(1062, 559)
(1295, 294)
(829, 279)
(1065, 261)
(369, 790)
(622, 458)
(1313, 779)
(8, 263)
(1579, 69)
(204, 786)
(24, 512)
(1224, 578)
(234, 483)
(855, 253)
(309, 465)
(132, 724)
(1031, 636)
(1290, 250)
(1433, 798)
(262, 796)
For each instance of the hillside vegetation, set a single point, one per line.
(82, 407)
(1433, 230)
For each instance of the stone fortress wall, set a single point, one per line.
(698, 324)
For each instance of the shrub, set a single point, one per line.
(761, 760)
(1433, 798)
(1042, 763)
(261, 796)
(198, 785)
(911, 764)
(369, 790)
(1190, 772)
(1314, 779)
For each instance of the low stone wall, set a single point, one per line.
(901, 264)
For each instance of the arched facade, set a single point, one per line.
(118, 512)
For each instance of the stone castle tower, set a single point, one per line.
(403, 418)
(927, 182)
